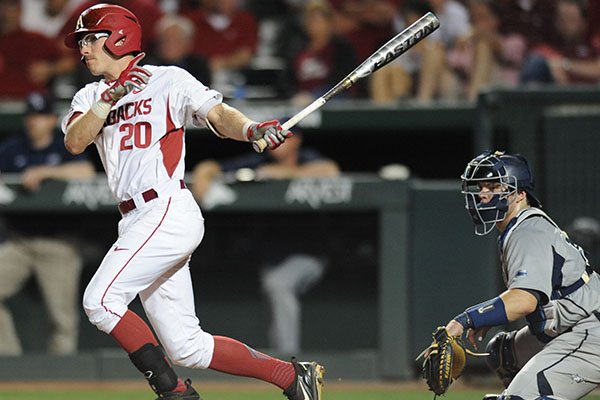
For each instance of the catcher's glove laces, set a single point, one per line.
(444, 360)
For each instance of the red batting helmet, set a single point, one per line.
(122, 25)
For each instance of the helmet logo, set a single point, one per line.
(120, 31)
(79, 24)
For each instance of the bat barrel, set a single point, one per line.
(396, 46)
(399, 44)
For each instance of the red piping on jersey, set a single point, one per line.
(131, 258)
(171, 144)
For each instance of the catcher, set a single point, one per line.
(549, 283)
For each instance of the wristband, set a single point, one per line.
(101, 109)
(488, 313)
(245, 129)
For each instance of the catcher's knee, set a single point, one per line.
(502, 359)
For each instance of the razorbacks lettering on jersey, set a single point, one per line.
(142, 142)
(537, 255)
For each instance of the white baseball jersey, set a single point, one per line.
(142, 143)
(142, 146)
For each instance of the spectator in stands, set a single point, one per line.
(593, 21)
(23, 71)
(529, 20)
(487, 57)
(398, 79)
(572, 57)
(292, 267)
(47, 17)
(174, 46)
(53, 260)
(325, 59)
(367, 24)
(436, 80)
(225, 34)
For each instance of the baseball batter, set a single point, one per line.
(136, 117)
(549, 282)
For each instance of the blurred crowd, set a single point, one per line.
(297, 49)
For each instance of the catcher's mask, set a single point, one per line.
(510, 173)
(123, 27)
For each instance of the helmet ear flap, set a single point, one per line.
(126, 39)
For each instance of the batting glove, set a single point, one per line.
(271, 131)
(132, 77)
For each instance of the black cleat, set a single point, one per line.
(308, 382)
(189, 394)
(491, 397)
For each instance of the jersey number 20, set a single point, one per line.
(138, 135)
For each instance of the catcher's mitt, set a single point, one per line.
(444, 360)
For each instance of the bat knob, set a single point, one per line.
(259, 145)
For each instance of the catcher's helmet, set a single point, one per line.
(122, 25)
(511, 171)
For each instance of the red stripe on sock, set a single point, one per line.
(235, 358)
(131, 332)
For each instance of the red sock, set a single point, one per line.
(132, 332)
(236, 358)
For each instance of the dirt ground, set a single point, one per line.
(250, 385)
(218, 385)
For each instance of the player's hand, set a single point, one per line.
(271, 131)
(132, 77)
(476, 335)
(454, 328)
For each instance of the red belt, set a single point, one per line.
(150, 194)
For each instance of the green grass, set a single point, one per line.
(233, 395)
(241, 395)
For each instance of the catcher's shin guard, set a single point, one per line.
(151, 361)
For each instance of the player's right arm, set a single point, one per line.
(83, 123)
(81, 131)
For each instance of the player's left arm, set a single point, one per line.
(510, 306)
(227, 121)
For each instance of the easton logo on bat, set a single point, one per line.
(405, 44)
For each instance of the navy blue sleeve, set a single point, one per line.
(250, 160)
(309, 155)
(9, 148)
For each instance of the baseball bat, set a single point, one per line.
(395, 47)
